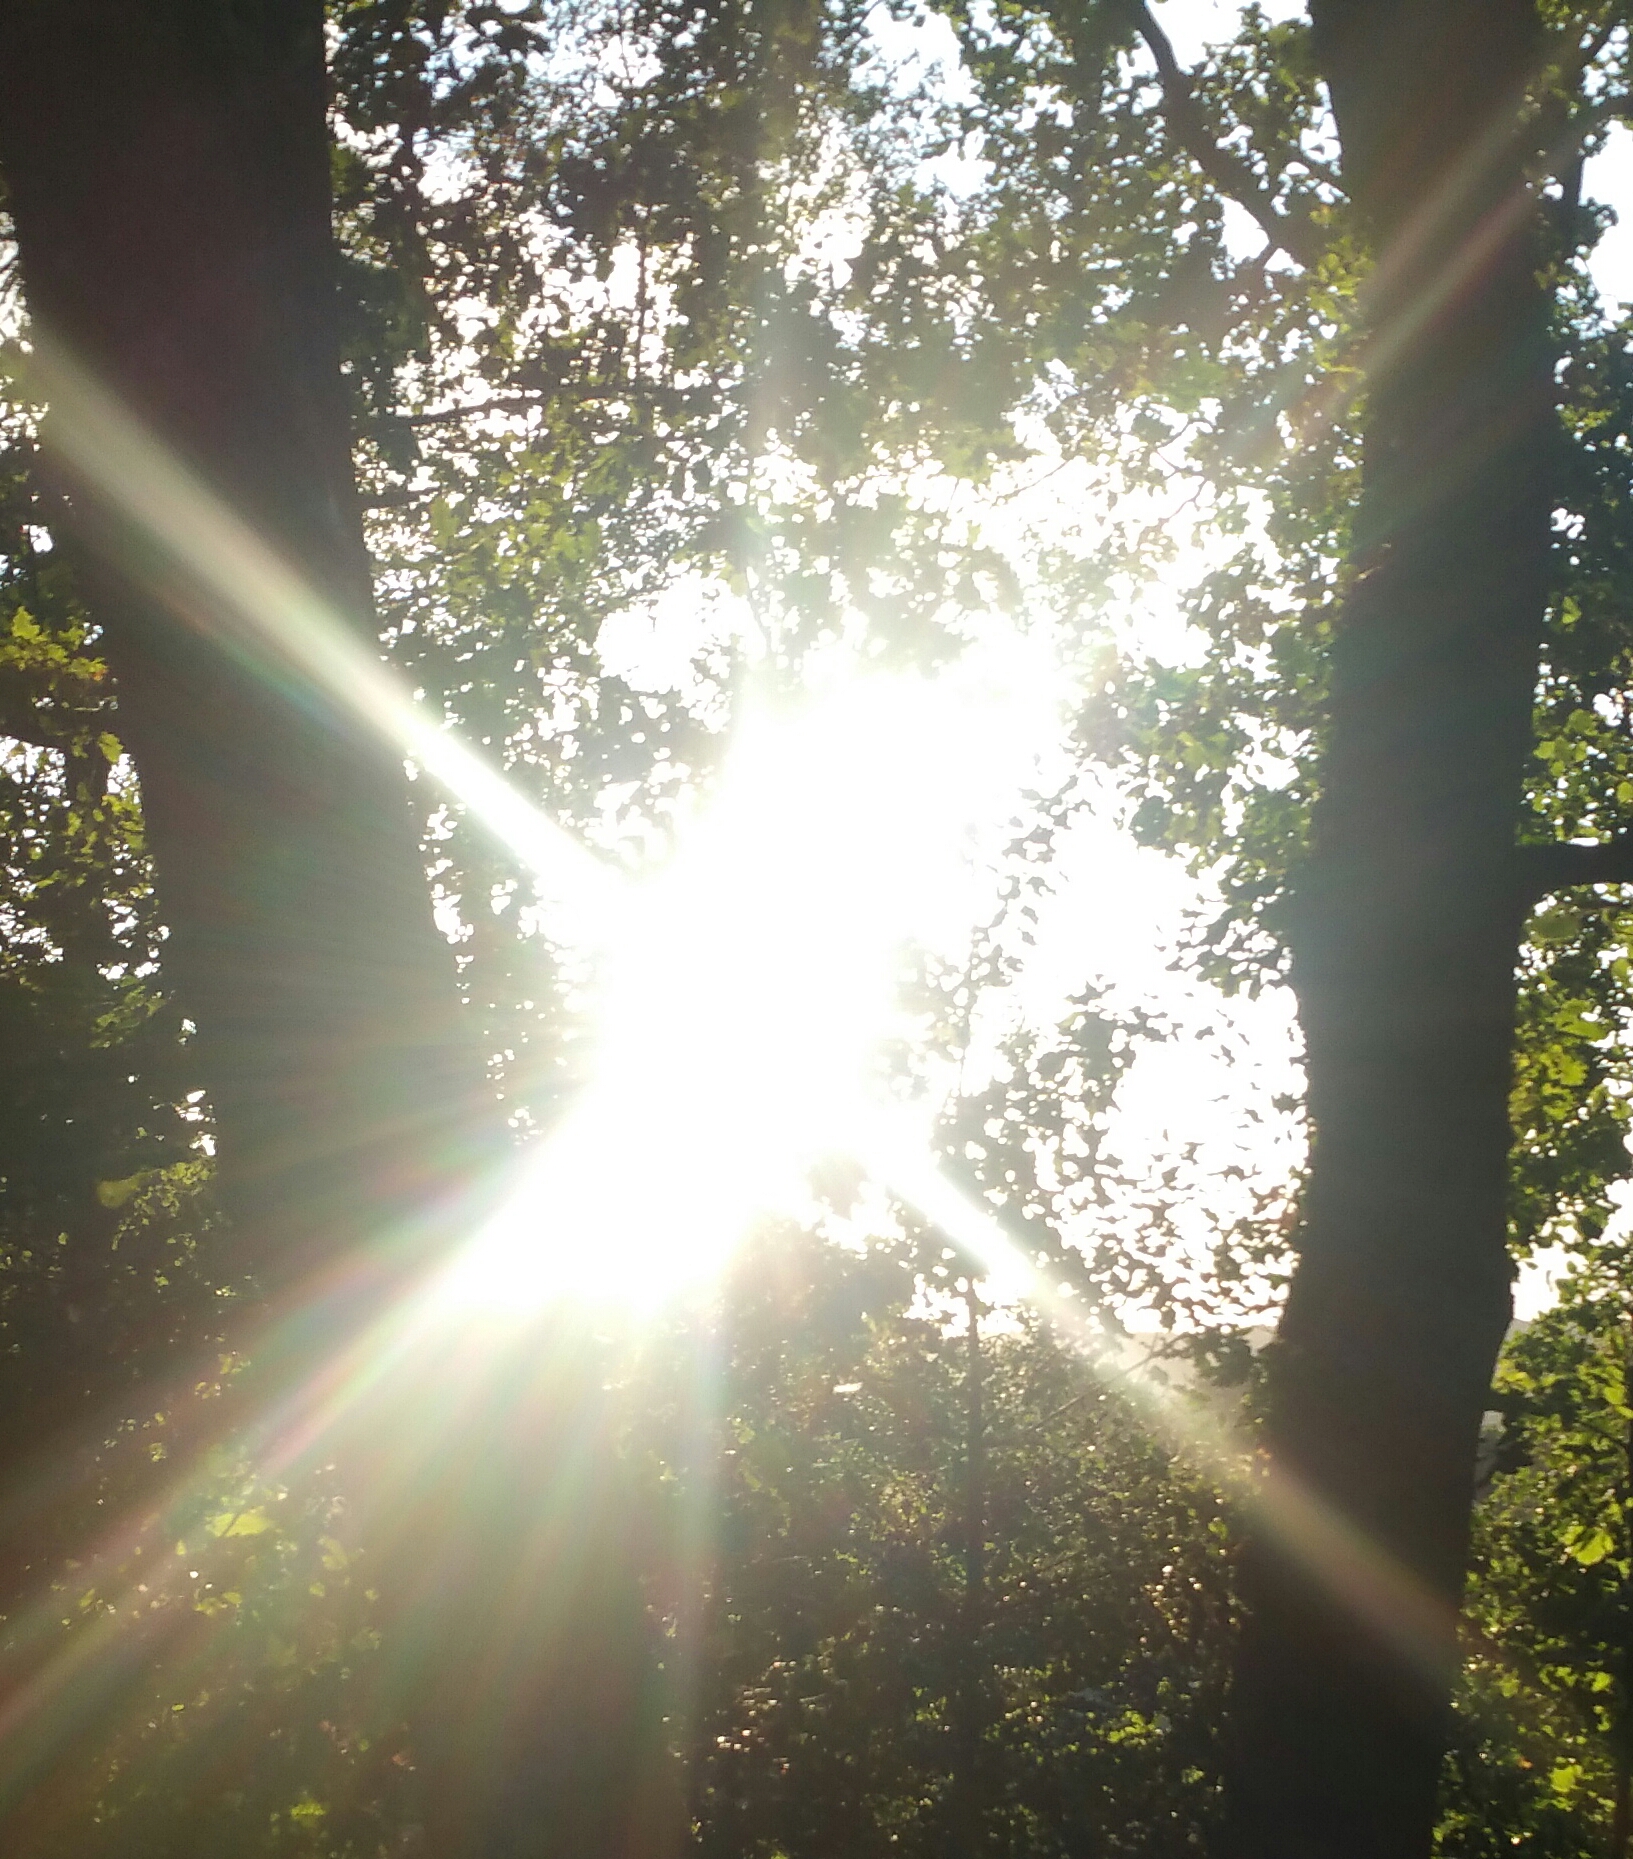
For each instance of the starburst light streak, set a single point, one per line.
(1404, 1614)
(1461, 272)
(270, 616)
(748, 984)
(418, 1379)
(284, 627)
(405, 1397)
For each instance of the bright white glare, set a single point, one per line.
(746, 995)
(1194, 25)
(1608, 178)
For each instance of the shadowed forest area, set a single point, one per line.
(817, 820)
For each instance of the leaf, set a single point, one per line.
(1592, 1546)
(240, 1523)
(112, 1194)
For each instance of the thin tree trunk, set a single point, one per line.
(1405, 929)
(969, 1792)
(1621, 1820)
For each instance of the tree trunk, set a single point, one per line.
(1405, 928)
(167, 168)
(969, 1791)
(1621, 1726)
(166, 165)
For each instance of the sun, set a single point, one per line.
(748, 986)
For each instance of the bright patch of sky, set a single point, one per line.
(1193, 25)
(1608, 178)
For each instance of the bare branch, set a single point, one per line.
(400, 499)
(1576, 127)
(1228, 172)
(1567, 146)
(23, 722)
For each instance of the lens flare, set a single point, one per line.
(745, 990)
(746, 995)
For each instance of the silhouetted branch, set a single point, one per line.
(448, 416)
(1228, 172)
(528, 402)
(1558, 867)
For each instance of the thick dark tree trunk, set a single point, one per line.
(166, 163)
(1405, 932)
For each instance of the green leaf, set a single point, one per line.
(240, 1523)
(116, 1193)
(1592, 1546)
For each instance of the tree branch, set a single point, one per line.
(1558, 867)
(1567, 146)
(448, 416)
(529, 401)
(52, 727)
(23, 729)
(1228, 172)
(400, 499)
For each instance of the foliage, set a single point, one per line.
(836, 1634)
(1543, 1736)
(666, 322)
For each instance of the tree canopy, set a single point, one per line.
(1243, 427)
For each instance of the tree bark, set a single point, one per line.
(167, 163)
(1405, 927)
(1621, 1724)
